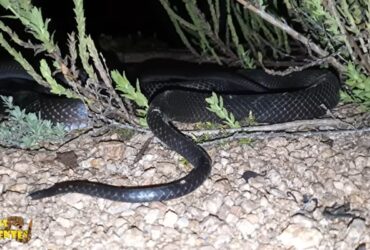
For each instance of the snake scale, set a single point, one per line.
(176, 92)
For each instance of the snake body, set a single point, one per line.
(177, 92)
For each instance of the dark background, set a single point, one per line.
(119, 18)
(113, 17)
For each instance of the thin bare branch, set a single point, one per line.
(293, 33)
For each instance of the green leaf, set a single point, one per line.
(55, 87)
(216, 105)
(128, 91)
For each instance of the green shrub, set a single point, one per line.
(27, 130)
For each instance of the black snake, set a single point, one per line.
(177, 92)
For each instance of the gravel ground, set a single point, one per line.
(296, 202)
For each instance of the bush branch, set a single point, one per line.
(293, 33)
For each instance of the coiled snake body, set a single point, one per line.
(177, 92)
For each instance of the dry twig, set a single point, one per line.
(293, 33)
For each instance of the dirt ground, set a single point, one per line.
(312, 193)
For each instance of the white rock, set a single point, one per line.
(59, 232)
(19, 188)
(171, 246)
(111, 150)
(150, 244)
(74, 200)
(206, 248)
(278, 142)
(299, 154)
(68, 240)
(166, 169)
(258, 182)
(355, 232)
(349, 188)
(183, 222)
(149, 173)
(237, 211)
(170, 219)
(229, 169)
(230, 218)
(98, 246)
(274, 177)
(264, 202)
(37, 243)
(156, 232)
(65, 222)
(255, 163)
(120, 222)
(303, 221)
(221, 185)
(22, 166)
(338, 185)
(210, 224)
(282, 151)
(90, 162)
(4, 178)
(246, 227)
(217, 166)
(118, 207)
(148, 157)
(361, 161)
(224, 153)
(194, 240)
(224, 162)
(214, 202)
(249, 206)
(343, 245)
(228, 201)
(133, 238)
(222, 240)
(152, 216)
(197, 213)
(300, 237)
(327, 153)
(366, 172)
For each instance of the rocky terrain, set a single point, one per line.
(301, 193)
